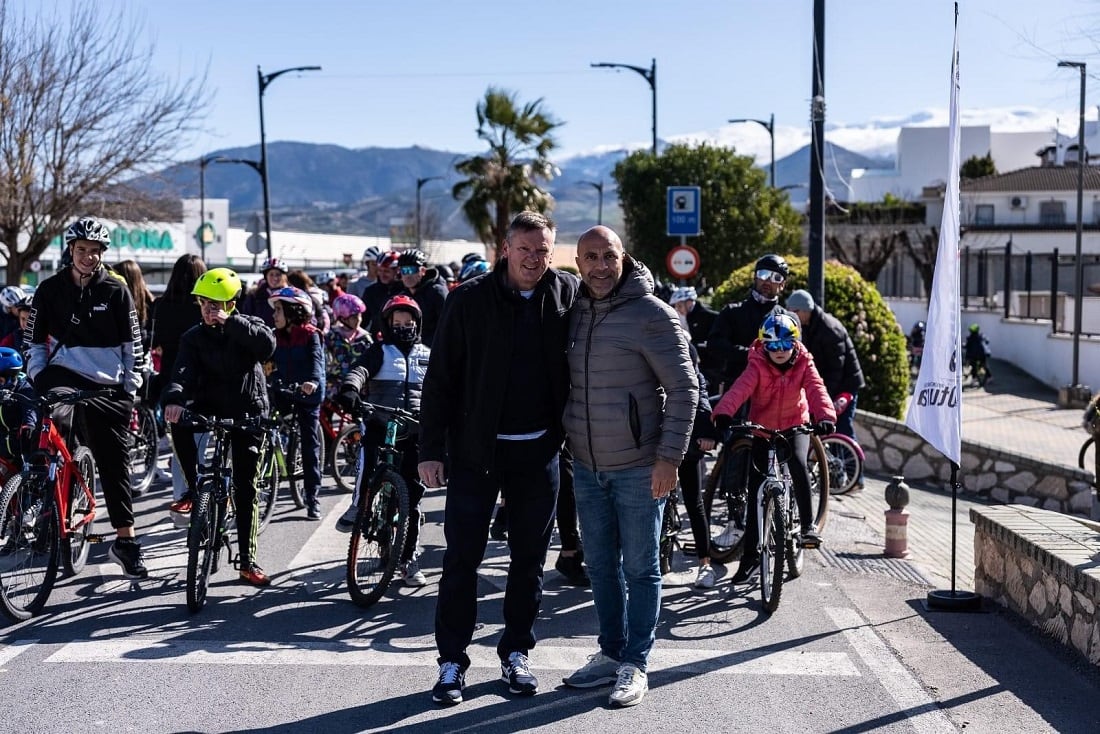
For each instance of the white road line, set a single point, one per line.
(213, 652)
(907, 692)
(10, 652)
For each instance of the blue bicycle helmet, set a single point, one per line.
(780, 327)
(11, 362)
(472, 269)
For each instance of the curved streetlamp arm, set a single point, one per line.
(266, 79)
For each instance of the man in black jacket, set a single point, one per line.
(739, 323)
(492, 404)
(426, 287)
(84, 334)
(697, 320)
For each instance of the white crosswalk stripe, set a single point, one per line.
(10, 652)
(214, 652)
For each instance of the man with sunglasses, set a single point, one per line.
(426, 287)
(84, 334)
(737, 324)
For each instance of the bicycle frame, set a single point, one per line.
(60, 471)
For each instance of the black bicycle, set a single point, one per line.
(213, 511)
(378, 536)
(725, 493)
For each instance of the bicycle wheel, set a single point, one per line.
(796, 554)
(28, 545)
(74, 548)
(378, 537)
(267, 485)
(725, 499)
(818, 465)
(294, 472)
(844, 463)
(202, 545)
(1084, 452)
(773, 547)
(144, 451)
(345, 457)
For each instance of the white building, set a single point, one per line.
(922, 159)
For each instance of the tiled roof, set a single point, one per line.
(1039, 178)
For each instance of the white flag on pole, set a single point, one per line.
(935, 408)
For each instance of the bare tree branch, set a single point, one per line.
(81, 112)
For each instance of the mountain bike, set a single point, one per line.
(378, 536)
(725, 493)
(213, 510)
(671, 525)
(777, 515)
(46, 510)
(291, 441)
(845, 461)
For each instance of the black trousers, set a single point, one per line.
(103, 425)
(527, 474)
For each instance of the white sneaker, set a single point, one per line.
(630, 688)
(705, 578)
(413, 575)
(598, 671)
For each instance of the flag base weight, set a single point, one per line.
(952, 600)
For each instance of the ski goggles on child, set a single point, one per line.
(770, 275)
(781, 345)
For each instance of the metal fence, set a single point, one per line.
(1022, 285)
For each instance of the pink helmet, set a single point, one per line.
(347, 305)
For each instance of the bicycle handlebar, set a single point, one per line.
(55, 397)
(402, 416)
(252, 424)
(746, 428)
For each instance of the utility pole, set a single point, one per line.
(816, 245)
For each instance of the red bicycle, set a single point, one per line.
(341, 433)
(46, 511)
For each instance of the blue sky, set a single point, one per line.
(404, 73)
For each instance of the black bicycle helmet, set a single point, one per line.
(412, 259)
(774, 263)
(89, 229)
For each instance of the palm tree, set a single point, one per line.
(503, 180)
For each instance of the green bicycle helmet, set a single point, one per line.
(218, 284)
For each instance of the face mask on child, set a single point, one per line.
(404, 334)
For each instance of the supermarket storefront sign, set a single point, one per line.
(149, 240)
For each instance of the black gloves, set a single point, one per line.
(722, 422)
(349, 400)
(825, 428)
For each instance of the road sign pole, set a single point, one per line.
(683, 243)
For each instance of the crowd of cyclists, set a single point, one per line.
(332, 338)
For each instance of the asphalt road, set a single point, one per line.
(847, 651)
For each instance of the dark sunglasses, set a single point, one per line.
(782, 345)
(409, 270)
(770, 275)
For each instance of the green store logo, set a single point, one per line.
(135, 239)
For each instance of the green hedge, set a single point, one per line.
(879, 340)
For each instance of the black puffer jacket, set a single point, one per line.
(462, 401)
(834, 353)
(430, 295)
(218, 370)
(735, 329)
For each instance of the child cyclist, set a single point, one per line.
(300, 359)
(219, 372)
(395, 369)
(786, 390)
(346, 341)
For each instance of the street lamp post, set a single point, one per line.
(650, 75)
(419, 185)
(1078, 271)
(769, 125)
(599, 188)
(263, 80)
(204, 161)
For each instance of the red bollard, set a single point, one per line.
(897, 519)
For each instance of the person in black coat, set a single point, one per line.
(426, 287)
(698, 320)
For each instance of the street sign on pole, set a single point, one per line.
(684, 211)
(682, 262)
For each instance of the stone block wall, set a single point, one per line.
(1043, 566)
(987, 471)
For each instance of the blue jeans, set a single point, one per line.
(621, 526)
(845, 424)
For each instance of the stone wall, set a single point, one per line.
(1042, 566)
(986, 471)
